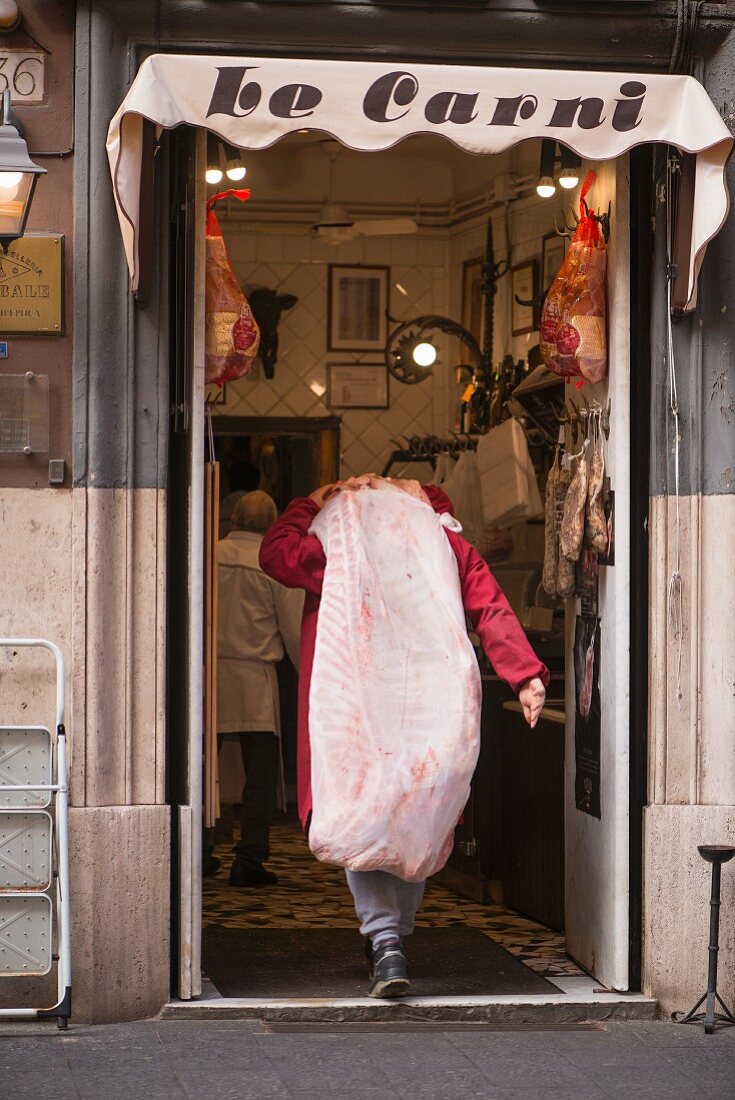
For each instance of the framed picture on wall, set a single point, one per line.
(357, 307)
(524, 288)
(473, 303)
(357, 386)
(553, 251)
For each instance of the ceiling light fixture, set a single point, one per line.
(235, 170)
(570, 165)
(215, 161)
(546, 188)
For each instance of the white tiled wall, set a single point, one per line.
(297, 264)
(528, 221)
(428, 267)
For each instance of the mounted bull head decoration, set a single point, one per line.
(267, 307)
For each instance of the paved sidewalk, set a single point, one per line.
(177, 1060)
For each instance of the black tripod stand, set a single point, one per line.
(716, 854)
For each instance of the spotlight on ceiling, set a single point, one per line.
(215, 160)
(235, 170)
(570, 165)
(546, 187)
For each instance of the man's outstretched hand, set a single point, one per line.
(532, 697)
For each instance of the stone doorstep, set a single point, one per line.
(578, 1002)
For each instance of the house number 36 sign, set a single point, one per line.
(22, 71)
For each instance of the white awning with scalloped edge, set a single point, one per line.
(252, 102)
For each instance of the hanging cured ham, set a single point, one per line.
(395, 691)
(231, 336)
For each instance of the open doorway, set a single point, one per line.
(509, 877)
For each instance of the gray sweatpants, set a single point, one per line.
(385, 905)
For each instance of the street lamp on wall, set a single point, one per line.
(18, 176)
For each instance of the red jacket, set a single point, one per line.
(292, 556)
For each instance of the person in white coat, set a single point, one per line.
(259, 621)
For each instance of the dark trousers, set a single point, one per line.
(260, 758)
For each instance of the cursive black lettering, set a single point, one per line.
(587, 113)
(456, 107)
(225, 97)
(294, 101)
(397, 89)
(626, 114)
(509, 108)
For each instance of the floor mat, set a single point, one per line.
(321, 962)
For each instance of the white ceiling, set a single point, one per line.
(424, 169)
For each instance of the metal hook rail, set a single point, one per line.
(427, 449)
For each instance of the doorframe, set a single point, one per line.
(188, 425)
(190, 820)
(642, 160)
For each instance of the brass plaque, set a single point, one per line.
(32, 287)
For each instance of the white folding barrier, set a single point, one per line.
(35, 930)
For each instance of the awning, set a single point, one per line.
(252, 102)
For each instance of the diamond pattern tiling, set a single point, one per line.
(306, 327)
(259, 275)
(374, 439)
(301, 358)
(358, 459)
(299, 399)
(285, 379)
(298, 265)
(359, 420)
(304, 281)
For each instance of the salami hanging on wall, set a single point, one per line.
(573, 319)
(232, 336)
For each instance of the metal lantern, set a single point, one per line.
(18, 175)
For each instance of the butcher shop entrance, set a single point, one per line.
(399, 280)
(446, 220)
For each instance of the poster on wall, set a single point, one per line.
(357, 386)
(587, 715)
(357, 308)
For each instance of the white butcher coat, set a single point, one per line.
(257, 617)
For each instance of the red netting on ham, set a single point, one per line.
(232, 336)
(573, 319)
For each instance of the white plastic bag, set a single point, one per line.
(394, 707)
(444, 467)
(510, 492)
(464, 490)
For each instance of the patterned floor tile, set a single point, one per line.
(310, 894)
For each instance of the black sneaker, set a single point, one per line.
(243, 875)
(388, 974)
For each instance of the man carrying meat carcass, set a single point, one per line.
(390, 690)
